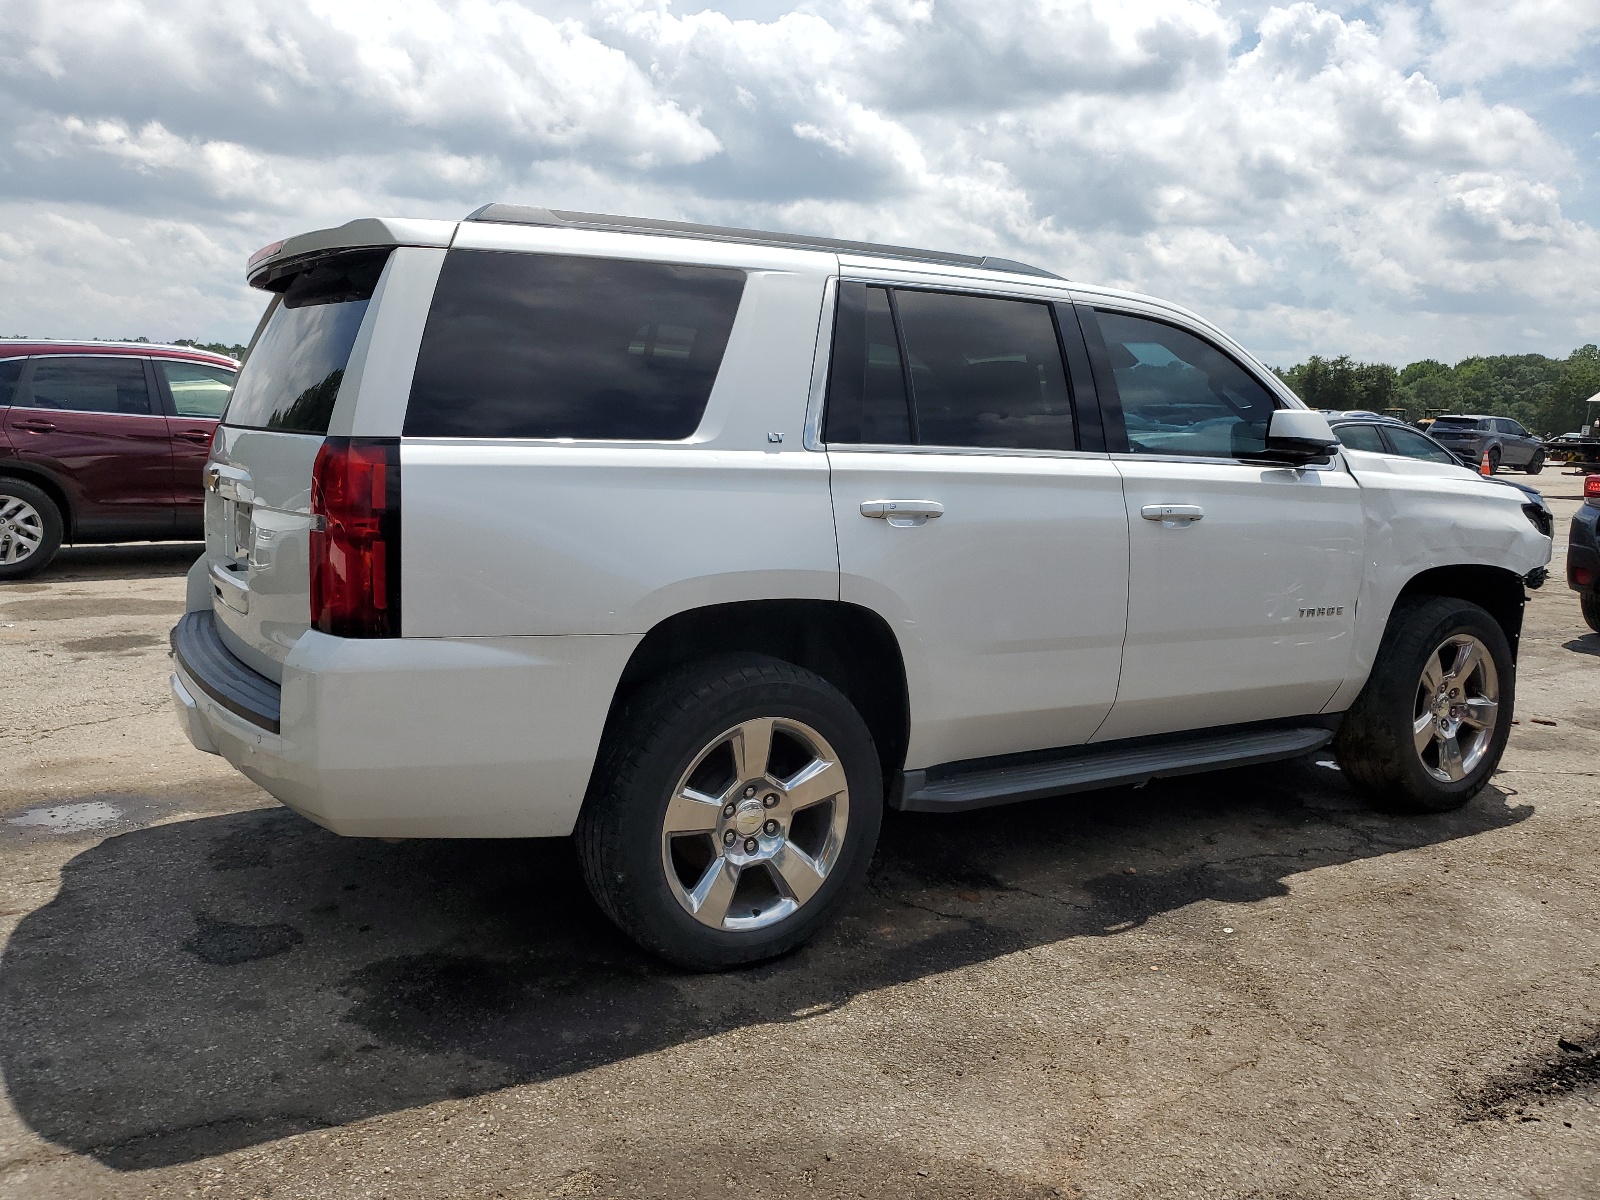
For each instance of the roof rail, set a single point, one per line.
(522, 214)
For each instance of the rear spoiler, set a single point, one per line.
(271, 266)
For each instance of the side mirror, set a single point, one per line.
(1299, 436)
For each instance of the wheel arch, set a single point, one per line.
(850, 646)
(1497, 590)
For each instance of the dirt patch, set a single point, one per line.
(1572, 1066)
(112, 642)
(73, 608)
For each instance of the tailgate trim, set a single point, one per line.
(200, 651)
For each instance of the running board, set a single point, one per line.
(981, 783)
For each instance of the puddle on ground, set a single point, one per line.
(69, 818)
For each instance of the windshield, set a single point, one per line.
(292, 374)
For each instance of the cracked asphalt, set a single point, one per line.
(1240, 985)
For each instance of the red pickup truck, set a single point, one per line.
(103, 442)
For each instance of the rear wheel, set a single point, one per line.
(1428, 729)
(1591, 611)
(1494, 459)
(735, 810)
(1536, 463)
(30, 529)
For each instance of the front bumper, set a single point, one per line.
(414, 737)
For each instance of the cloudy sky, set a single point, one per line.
(1392, 181)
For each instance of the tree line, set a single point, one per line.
(1546, 394)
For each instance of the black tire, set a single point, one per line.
(658, 735)
(1494, 459)
(1591, 610)
(1376, 746)
(1536, 463)
(39, 519)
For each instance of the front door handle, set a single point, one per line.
(34, 426)
(198, 436)
(1172, 513)
(902, 513)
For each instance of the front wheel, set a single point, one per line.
(733, 812)
(1428, 729)
(1536, 463)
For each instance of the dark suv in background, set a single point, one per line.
(103, 442)
(1507, 443)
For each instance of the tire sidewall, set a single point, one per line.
(642, 896)
(1400, 700)
(21, 489)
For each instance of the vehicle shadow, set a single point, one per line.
(130, 560)
(1588, 643)
(206, 985)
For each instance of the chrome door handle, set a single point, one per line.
(901, 513)
(1172, 512)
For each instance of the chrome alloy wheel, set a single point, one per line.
(1457, 707)
(756, 824)
(21, 529)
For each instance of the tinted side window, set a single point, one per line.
(1181, 395)
(293, 373)
(553, 346)
(985, 372)
(1361, 437)
(103, 385)
(1414, 445)
(10, 372)
(198, 390)
(866, 378)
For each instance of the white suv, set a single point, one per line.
(704, 544)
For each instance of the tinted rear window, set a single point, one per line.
(552, 346)
(1455, 423)
(292, 375)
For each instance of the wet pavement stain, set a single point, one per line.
(111, 642)
(224, 944)
(71, 608)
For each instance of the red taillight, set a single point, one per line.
(355, 538)
(1591, 487)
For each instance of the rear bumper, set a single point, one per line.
(1583, 550)
(410, 737)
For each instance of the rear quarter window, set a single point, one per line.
(557, 346)
(292, 373)
(10, 373)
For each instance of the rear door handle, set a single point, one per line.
(902, 513)
(200, 436)
(34, 426)
(1176, 513)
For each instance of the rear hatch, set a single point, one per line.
(258, 499)
(1460, 430)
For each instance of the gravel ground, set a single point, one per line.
(1242, 984)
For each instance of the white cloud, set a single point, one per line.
(1316, 182)
(1485, 37)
